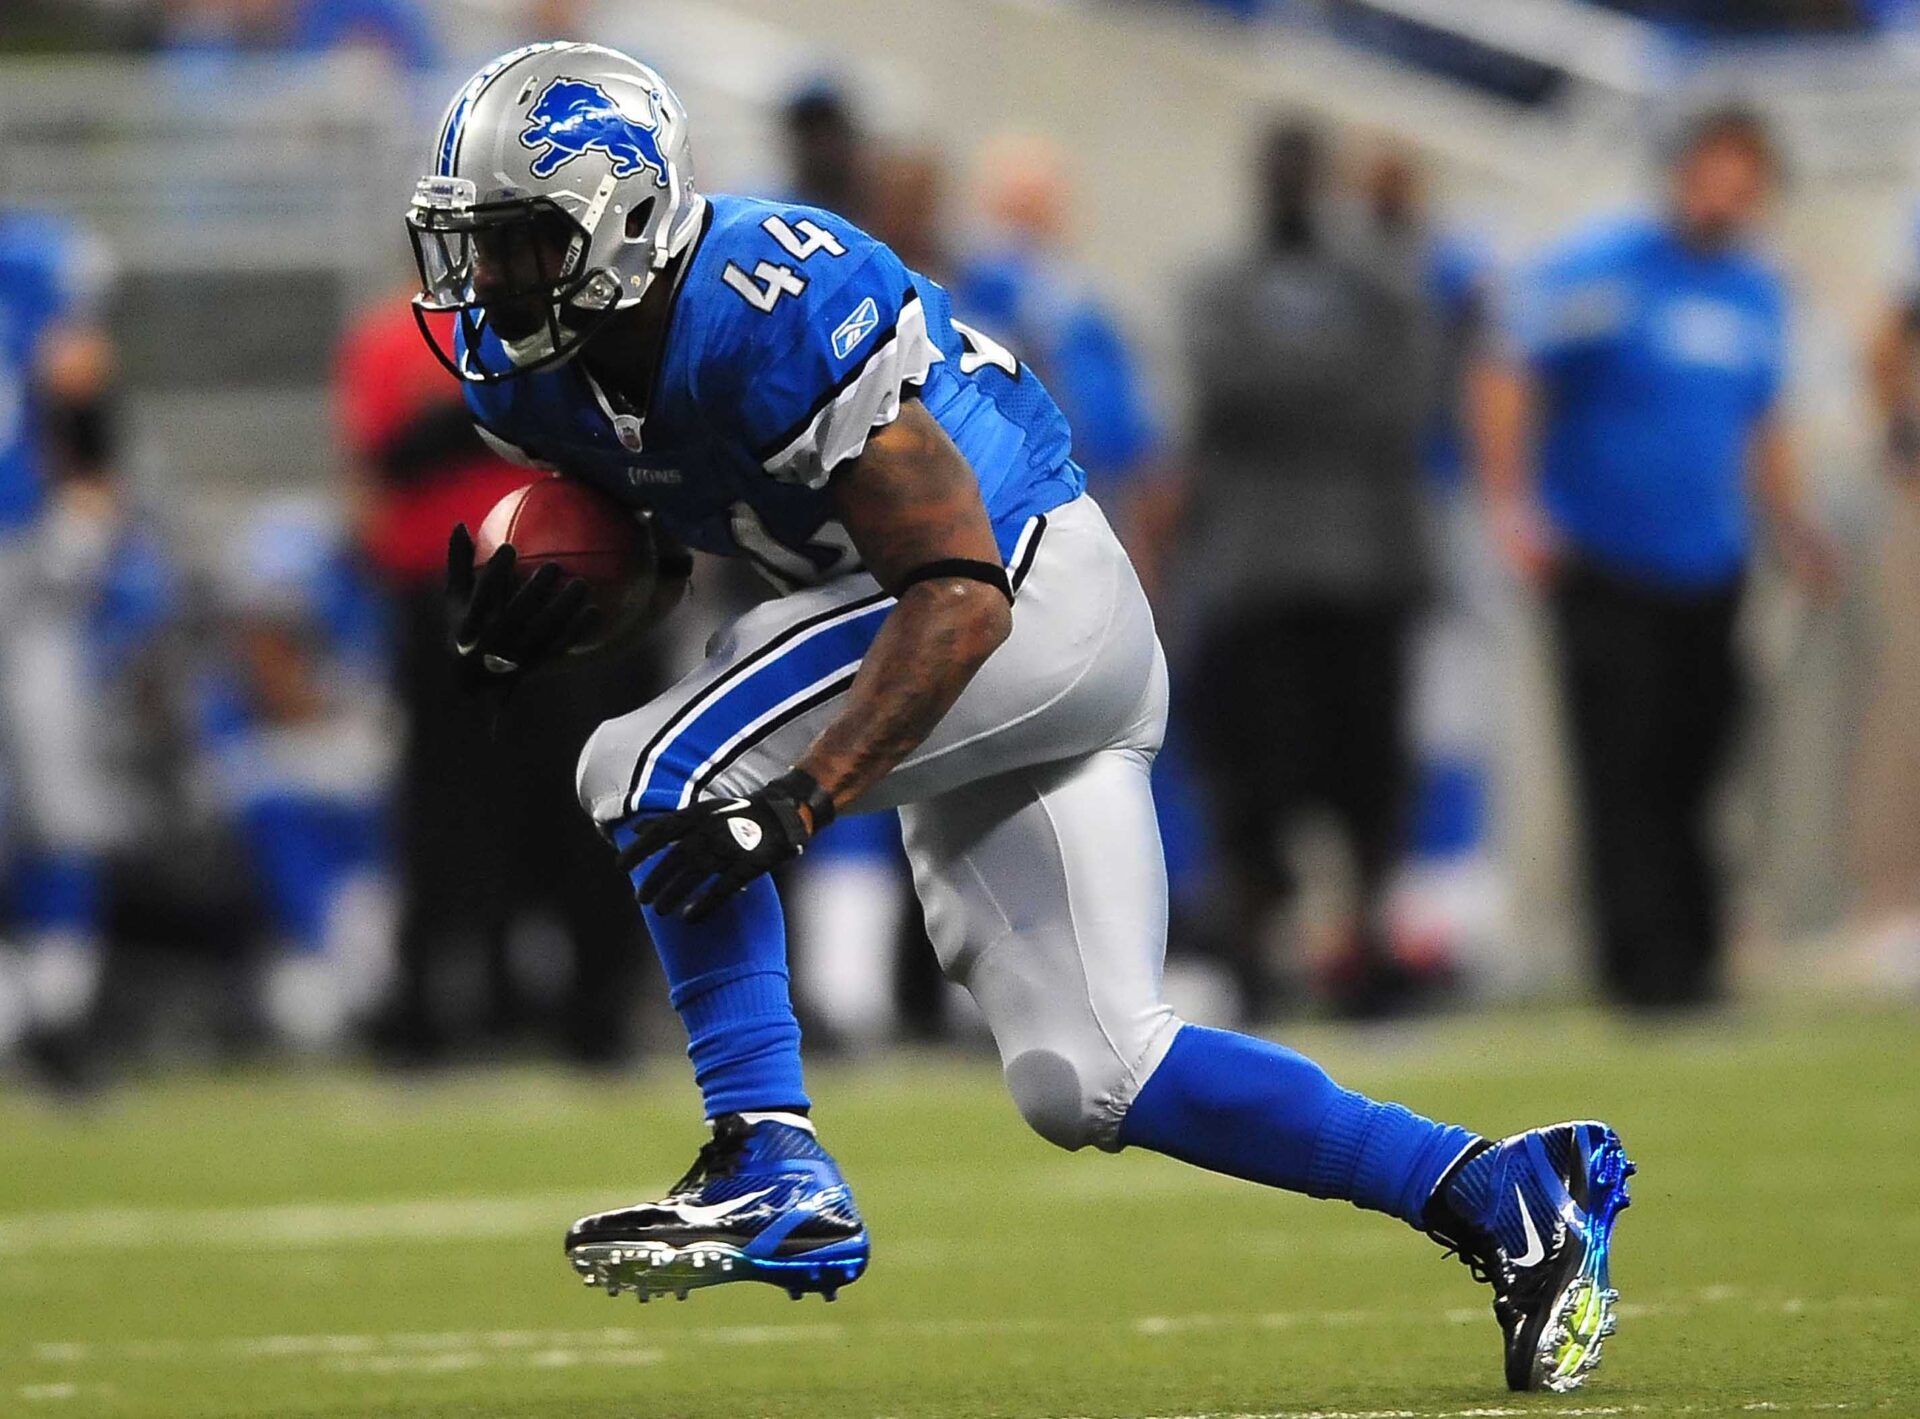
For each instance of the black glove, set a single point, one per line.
(505, 629)
(724, 843)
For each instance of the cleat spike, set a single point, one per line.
(829, 1292)
(795, 1292)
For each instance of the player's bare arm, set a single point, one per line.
(912, 507)
(910, 502)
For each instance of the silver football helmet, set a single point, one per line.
(562, 185)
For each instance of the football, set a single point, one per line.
(586, 534)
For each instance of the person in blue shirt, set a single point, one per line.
(1631, 439)
(955, 632)
(293, 730)
(1020, 286)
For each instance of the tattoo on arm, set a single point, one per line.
(908, 500)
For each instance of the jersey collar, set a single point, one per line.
(629, 425)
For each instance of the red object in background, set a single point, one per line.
(580, 528)
(398, 409)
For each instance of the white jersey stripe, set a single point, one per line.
(871, 400)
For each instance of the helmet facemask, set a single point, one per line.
(515, 268)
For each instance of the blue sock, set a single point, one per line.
(727, 976)
(1259, 1111)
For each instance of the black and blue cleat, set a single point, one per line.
(763, 1202)
(1532, 1216)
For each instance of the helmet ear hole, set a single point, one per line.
(638, 218)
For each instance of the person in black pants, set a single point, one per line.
(1298, 707)
(1627, 439)
(492, 839)
(1653, 687)
(1297, 535)
(492, 843)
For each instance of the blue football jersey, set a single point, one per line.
(47, 271)
(792, 336)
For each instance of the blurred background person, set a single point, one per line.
(513, 915)
(1313, 359)
(1627, 443)
(1893, 363)
(1889, 854)
(829, 163)
(76, 583)
(294, 724)
(1022, 286)
(1451, 896)
(212, 32)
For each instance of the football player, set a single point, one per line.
(956, 633)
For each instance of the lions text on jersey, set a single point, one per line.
(793, 335)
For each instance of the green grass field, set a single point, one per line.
(341, 1245)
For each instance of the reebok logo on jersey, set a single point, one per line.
(855, 328)
(746, 832)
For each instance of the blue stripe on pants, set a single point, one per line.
(749, 708)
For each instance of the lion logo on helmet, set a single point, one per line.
(574, 117)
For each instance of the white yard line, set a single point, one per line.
(475, 1359)
(316, 1225)
(295, 1225)
(349, 1350)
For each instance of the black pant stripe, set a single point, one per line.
(837, 686)
(747, 662)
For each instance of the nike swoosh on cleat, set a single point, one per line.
(1535, 1252)
(696, 1215)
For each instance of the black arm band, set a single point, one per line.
(992, 573)
(803, 787)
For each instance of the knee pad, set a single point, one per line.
(1064, 1106)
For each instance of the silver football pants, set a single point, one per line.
(1026, 813)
